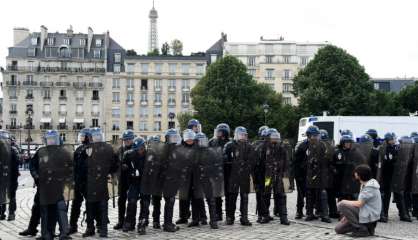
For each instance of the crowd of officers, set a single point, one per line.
(224, 168)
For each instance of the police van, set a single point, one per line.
(400, 125)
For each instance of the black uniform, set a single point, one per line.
(13, 184)
(298, 168)
(134, 165)
(215, 143)
(123, 187)
(271, 167)
(239, 161)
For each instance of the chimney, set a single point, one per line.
(44, 35)
(89, 38)
(70, 31)
(19, 34)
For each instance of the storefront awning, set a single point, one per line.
(78, 120)
(45, 120)
(62, 120)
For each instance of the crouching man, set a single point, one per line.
(360, 217)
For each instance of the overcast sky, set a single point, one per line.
(381, 34)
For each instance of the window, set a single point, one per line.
(47, 108)
(199, 69)
(67, 41)
(95, 95)
(287, 87)
(46, 93)
(144, 84)
(98, 42)
(157, 112)
(115, 97)
(286, 59)
(158, 68)
(269, 74)
(185, 98)
(115, 125)
(115, 139)
(143, 126)
(117, 57)
(130, 112)
(62, 136)
(157, 85)
(29, 79)
(268, 48)
(82, 42)
(63, 93)
(29, 93)
(130, 67)
(143, 112)
(185, 68)
(63, 108)
(157, 98)
(130, 83)
(269, 59)
(157, 126)
(96, 53)
(185, 84)
(13, 122)
(376, 86)
(144, 68)
(213, 58)
(116, 112)
(64, 52)
(12, 93)
(172, 85)
(34, 41)
(115, 83)
(80, 95)
(116, 68)
(95, 122)
(130, 125)
(251, 61)
(172, 68)
(287, 100)
(144, 98)
(251, 72)
(130, 97)
(287, 74)
(13, 107)
(79, 108)
(171, 99)
(304, 60)
(50, 41)
(31, 52)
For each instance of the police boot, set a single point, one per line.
(90, 231)
(212, 214)
(29, 232)
(310, 206)
(129, 224)
(324, 207)
(72, 230)
(403, 213)
(299, 214)
(244, 210)
(142, 227)
(11, 217)
(170, 227)
(282, 208)
(2, 212)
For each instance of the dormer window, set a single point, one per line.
(96, 53)
(34, 41)
(64, 52)
(67, 41)
(50, 41)
(82, 42)
(98, 42)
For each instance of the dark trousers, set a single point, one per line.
(198, 209)
(11, 192)
(316, 197)
(301, 188)
(35, 213)
(415, 205)
(232, 205)
(332, 201)
(123, 197)
(50, 215)
(168, 209)
(97, 211)
(133, 197)
(219, 212)
(76, 206)
(280, 200)
(399, 199)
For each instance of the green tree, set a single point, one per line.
(227, 93)
(131, 52)
(408, 98)
(183, 118)
(165, 49)
(154, 52)
(333, 81)
(177, 47)
(385, 104)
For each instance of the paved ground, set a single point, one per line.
(297, 230)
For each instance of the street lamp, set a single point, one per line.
(266, 110)
(29, 112)
(171, 116)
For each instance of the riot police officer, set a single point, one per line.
(239, 155)
(220, 138)
(127, 138)
(374, 157)
(80, 162)
(133, 162)
(392, 176)
(270, 169)
(12, 174)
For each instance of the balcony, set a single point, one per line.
(62, 127)
(144, 89)
(144, 103)
(79, 99)
(157, 89)
(62, 84)
(13, 97)
(130, 102)
(78, 127)
(47, 98)
(95, 114)
(157, 115)
(79, 85)
(13, 112)
(287, 79)
(129, 115)
(55, 69)
(143, 115)
(171, 102)
(157, 103)
(95, 85)
(185, 89)
(185, 103)
(46, 113)
(12, 83)
(62, 113)
(45, 127)
(269, 78)
(29, 97)
(30, 83)
(12, 127)
(62, 98)
(95, 98)
(130, 87)
(79, 114)
(171, 88)
(115, 128)
(46, 84)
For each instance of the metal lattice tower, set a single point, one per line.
(153, 34)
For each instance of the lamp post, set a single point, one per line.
(29, 112)
(266, 110)
(171, 116)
